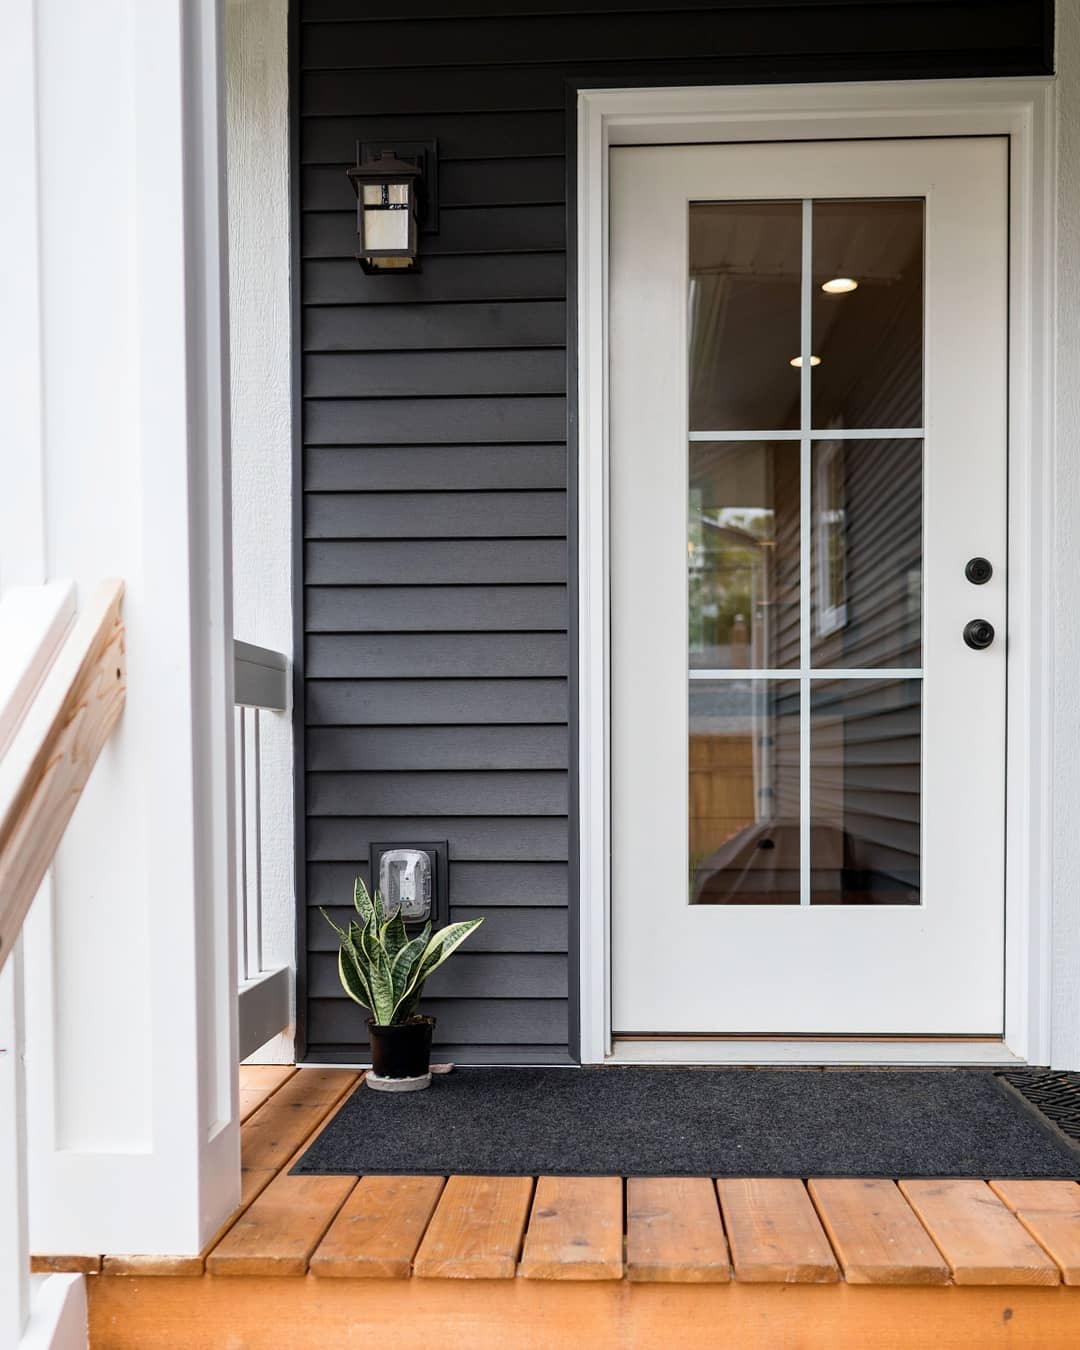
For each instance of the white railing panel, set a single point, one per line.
(265, 995)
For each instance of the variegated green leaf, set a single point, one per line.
(382, 990)
(362, 900)
(393, 935)
(446, 941)
(339, 931)
(404, 965)
(352, 981)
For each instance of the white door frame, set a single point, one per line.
(1023, 110)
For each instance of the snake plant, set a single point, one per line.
(380, 966)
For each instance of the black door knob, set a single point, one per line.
(979, 571)
(979, 633)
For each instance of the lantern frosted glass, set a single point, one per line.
(386, 191)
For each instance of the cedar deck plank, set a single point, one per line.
(260, 1081)
(674, 1234)
(476, 1230)
(378, 1229)
(286, 1120)
(978, 1236)
(774, 1232)
(575, 1230)
(1050, 1211)
(875, 1233)
(279, 1231)
(311, 1314)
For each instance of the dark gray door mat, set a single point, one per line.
(697, 1122)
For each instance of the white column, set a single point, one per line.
(131, 1037)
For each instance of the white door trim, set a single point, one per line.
(1023, 110)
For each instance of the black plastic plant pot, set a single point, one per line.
(402, 1051)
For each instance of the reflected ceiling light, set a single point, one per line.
(796, 361)
(840, 285)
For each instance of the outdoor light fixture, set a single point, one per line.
(387, 212)
(796, 361)
(840, 285)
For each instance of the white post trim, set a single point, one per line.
(1024, 110)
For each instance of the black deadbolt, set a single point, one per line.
(979, 571)
(979, 633)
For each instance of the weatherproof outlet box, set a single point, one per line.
(412, 877)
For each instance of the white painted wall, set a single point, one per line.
(1065, 570)
(119, 400)
(257, 105)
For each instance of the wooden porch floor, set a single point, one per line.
(311, 1261)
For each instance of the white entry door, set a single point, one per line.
(808, 554)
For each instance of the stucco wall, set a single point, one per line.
(256, 83)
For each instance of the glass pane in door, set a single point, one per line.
(743, 555)
(866, 506)
(744, 314)
(865, 791)
(867, 313)
(744, 792)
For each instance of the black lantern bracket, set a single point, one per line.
(425, 155)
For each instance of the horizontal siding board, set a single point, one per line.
(434, 515)
(471, 838)
(381, 421)
(452, 1053)
(400, 702)
(395, 326)
(462, 232)
(332, 140)
(494, 276)
(475, 182)
(460, 793)
(506, 1021)
(438, 562)
(506, 929)
(470, 975)
(473, 886)
(570, 38)
(335, 11)
(431, 468)
(437, 747)
(444, 655)
(425, 374)
(463, 609)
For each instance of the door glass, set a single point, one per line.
(866, 553)
(743, 555)
(804, 552)
(864, 792)
(868, 313)
(744, 792)
(745, 306)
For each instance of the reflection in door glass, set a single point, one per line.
(744, 301)
(744, 792)
(743, 555)
(866, 553)
(864, 791)
(867, 313)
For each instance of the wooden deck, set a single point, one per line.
(593, 1261)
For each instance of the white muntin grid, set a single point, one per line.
(806, 434)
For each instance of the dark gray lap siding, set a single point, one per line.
(432, 591)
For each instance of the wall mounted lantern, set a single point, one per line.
(388, 192)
